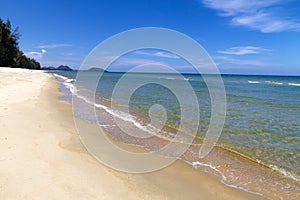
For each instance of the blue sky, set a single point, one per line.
(242, 36)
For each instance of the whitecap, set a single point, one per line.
(274, 82)
(294, 84)
(253, 82)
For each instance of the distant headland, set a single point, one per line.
(67, 68)
(61, 67)
(96, 69)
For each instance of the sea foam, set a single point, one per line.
(294, 84)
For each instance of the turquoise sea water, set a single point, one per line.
(262, 120)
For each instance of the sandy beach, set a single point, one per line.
(42, 157)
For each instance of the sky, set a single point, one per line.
(241, 36)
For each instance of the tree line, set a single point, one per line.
(10, 54)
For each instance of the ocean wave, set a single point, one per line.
(280, 170)
(274, 82)
(67, 82)
(64, 78)
(244, 187)
(253, 82)
(294, 84)
(179, 78)
(122, 115)
(71, 87)
(284, 172)
(149, 128)
(223, 179)
(197, 163)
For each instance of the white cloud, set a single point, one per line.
(243, 50)
(52, 46)
(221, 60)
(235, 7)
(158, 54)
(36, 54)
(140, 52)
(166, 55)
(259, 15)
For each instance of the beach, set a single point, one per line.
(42, 157)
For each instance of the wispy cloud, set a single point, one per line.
(243, 50)
(226, 60)
(166, 55)
(36, 54)
(158, 54)
(52, 46)
(259, 15)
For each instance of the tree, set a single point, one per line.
(10, 55)
(24, 62)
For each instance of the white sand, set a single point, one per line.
(42, 158)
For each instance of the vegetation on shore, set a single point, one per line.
(10, 54)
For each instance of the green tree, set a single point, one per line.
(24, 62)
(10, 55)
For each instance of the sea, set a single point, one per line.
(259, 147)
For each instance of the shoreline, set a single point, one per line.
(42, 157)
(281, 171)
(234, 169)
(290, 173)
